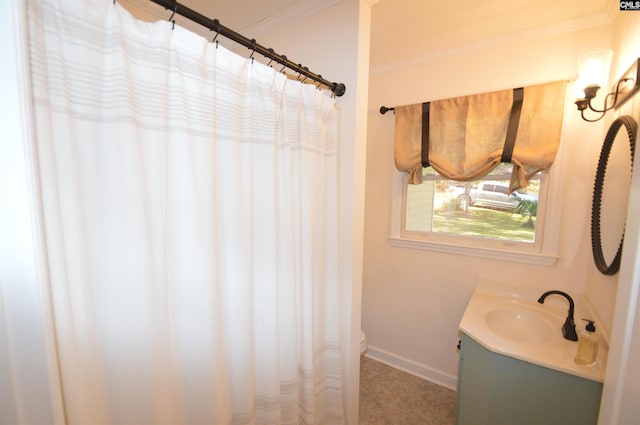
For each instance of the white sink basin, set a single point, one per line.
(519, 324)
(507, 319)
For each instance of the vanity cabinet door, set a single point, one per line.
(494, 389)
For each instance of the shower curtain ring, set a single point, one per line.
(271, 53)
(284, 59)
(216, 24)
(253, 49)
(299, 71)
(173, 22)
(306, 76)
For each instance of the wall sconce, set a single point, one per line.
(594, 69)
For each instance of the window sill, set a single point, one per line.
(475, 251)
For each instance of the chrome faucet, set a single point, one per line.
(569, 327)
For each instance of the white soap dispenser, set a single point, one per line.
(587, 345)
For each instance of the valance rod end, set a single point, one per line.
(384, 109)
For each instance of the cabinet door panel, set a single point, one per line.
(494, 389)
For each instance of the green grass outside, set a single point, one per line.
(485, 222)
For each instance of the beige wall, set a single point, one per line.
(413, 299)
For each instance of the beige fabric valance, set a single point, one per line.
(466, 135)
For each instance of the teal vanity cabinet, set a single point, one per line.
(494, 389)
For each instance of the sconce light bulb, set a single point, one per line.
(593, 67)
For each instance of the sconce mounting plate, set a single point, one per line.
(628, 84)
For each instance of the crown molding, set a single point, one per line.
(600, 19)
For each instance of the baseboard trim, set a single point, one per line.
(413, 367)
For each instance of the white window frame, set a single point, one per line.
(544, 251)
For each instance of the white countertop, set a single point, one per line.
(555, 353)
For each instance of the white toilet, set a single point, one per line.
(363, 342)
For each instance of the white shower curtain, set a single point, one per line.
(190, 214)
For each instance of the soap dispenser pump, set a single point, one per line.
(587, 345)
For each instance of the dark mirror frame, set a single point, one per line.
(596, 241)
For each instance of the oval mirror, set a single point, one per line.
(611, 194)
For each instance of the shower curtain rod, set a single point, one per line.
(214, 25)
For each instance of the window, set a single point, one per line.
(483, 209)
(477, 218)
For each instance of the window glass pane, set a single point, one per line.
(481, 209)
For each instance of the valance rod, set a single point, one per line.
(214, 25)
